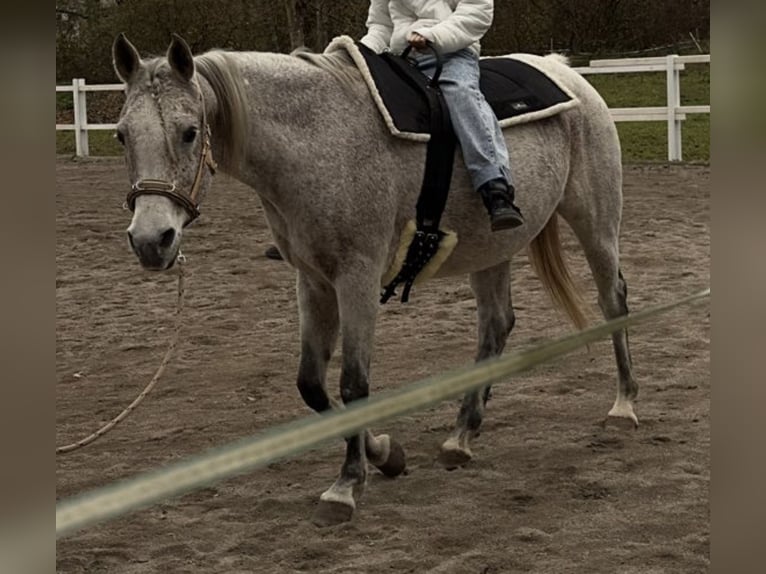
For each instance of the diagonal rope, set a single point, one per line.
(306, 433)
(165, 360)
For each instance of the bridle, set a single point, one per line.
(169, 189)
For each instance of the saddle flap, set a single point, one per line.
(407, 102)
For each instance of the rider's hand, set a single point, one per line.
(417, 41)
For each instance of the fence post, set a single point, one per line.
(674, 101)
(84, 149)
(77, 120)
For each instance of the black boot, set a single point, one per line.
(498, 199)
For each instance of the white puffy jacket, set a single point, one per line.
(450, 24)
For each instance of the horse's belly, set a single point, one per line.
(482, 250)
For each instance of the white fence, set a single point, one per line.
(81, 126)
(673, 112)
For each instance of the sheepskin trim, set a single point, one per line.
(446, 247)
(347, 43)
(408, 233)
(539, 114)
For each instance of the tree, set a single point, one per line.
(85, 29)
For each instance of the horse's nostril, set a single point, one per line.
(130, 240)
(167, 237)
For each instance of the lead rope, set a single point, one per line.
(180, 260)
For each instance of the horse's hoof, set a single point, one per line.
(622, 415)
(273, 253)
(396, 461)
(620, 422)
(455, 452)
(331, 513)
(452, 457)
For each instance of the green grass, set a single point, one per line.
(63, 101)
(647, 141)
(100, 142)
(641, 141)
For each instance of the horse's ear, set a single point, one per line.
(125, 58)
(181, 58)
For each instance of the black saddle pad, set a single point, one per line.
(512, 88)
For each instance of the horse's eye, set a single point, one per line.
(120, 135)
(189, 135)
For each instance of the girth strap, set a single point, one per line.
(440, 156)
(440, 152)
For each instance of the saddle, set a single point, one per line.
(516, 91)
(413, 108)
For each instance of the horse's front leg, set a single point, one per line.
(319, 322)
(357, 304)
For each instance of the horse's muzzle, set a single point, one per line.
(156, 252)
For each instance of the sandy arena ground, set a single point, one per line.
(550, 489)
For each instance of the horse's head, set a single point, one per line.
(166, 137)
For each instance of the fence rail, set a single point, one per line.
(79, 89)
(673, 113)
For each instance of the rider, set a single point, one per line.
(454, 28)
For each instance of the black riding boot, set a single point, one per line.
(498, 199)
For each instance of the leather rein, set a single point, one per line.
(169, 189)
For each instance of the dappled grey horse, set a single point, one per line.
(337, 191)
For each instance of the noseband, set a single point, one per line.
(169, 189)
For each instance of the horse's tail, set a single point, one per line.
(547, 261)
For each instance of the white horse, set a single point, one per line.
(338, 189)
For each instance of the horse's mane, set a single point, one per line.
(338, 63)
(220, 71)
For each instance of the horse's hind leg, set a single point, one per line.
(357, 299)
(492, 288)
(613, 300)
(598, 235)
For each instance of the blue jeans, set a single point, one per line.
(474, 122)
